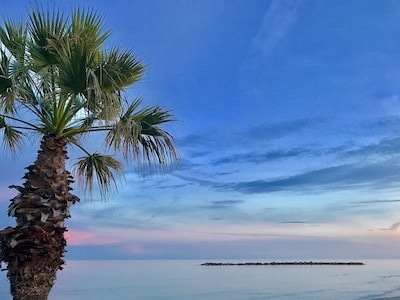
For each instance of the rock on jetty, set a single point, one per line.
(290, 263)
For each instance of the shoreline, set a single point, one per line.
(289, 263)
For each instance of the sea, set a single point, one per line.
(188, 279)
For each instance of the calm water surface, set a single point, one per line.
(187, 279)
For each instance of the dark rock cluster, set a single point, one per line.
(290, 263)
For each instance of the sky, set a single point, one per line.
(288, 132)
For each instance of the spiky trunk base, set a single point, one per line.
(37, 253)
(34, 249)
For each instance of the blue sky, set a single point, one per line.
(288, 132)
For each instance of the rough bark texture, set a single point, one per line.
(34, 249)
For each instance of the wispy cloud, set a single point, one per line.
(270, 131)
(337, 177)
(379, 175)
(383, 147)
(383, 124)
(200, 148)
(395, 226)
(260, 157)
(277, 22)
(194, 140)
(376, 202)
(222, 204)
(294, 222)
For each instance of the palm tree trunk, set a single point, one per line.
(34, 249)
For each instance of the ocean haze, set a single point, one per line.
(187, 279)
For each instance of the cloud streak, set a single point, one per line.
(337, 177)
(277, 22)
(376, 202)
(222, 204)
(267, 132)
(385, 147)
(258, 158)
(380, 175)
(395, 226)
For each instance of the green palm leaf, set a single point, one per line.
(44, 27)
(57, 69)
(137, 134)
(13, 37)
(12, 138)
(7, 94)
(100, 168)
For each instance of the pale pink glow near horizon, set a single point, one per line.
(227, 232)
(85, 238)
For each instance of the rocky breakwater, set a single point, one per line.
(290, 263)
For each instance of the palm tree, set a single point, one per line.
(60, 83)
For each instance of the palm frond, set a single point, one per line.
(80, 126)
(87, 28)
(44, 27)
(73, 64)
(7, 94)
(78, 52)
(69, 112)
(12, 138)
(67, 109)
(16, 83)
(13, 37)
(157, 144)
(124, 134)
(138, 134)
(44, 111)
(119, 69)
(56, 68)
(105, 103)
(104, 84)
(95, 167)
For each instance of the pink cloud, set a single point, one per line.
(84, 238)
